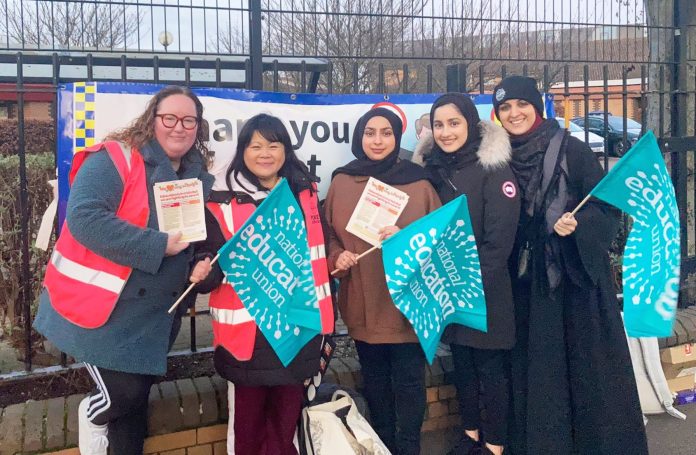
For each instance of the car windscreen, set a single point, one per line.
(572, 127)
(617, 123)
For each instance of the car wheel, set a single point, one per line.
(620, 148)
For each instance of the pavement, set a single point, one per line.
(666, 434)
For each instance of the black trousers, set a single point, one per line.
(481, 376)
(120, 401)
(394, 379)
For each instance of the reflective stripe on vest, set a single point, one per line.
(79, 272)
(83, 286)
(315, 237)
(234, 332)
(228, 316)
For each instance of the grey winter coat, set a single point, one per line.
(136, 338)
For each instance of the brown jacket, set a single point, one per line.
(363, 297)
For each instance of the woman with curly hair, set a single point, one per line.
(113, 273)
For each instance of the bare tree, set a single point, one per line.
(355, 36)
(64, 24)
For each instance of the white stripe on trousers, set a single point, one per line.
(230, 422)
(101, 401)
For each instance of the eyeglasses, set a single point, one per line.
(170, 121)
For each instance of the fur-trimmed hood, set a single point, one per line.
(495, 149)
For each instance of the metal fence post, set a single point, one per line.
(255, 45)
(24, 214)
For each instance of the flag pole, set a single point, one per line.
(360, 256)
(581, 204)
(188, 289)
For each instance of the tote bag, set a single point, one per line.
(337, 428)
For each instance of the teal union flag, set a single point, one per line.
(267, 262)
(434, 276)
(640, 185)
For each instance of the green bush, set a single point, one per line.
(40, 169)
(39, 136)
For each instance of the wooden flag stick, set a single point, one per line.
(580, 205)
(188, 289)
(360, 256)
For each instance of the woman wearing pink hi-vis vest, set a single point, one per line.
(265, 398)
(113, 273)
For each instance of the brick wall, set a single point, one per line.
(187, 416)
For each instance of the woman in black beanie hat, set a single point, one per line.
(573, 388)
(471, 157)
(392, 362)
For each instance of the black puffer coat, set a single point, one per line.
(494, 206)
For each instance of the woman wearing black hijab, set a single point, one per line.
(572, 382)
(471, 157)
(392, 361)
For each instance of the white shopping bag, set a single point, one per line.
(337, 428)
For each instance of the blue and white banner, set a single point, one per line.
(640, 185)
(320, 126)
(434, 275)
(267, 262)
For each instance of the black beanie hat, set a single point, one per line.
(518, 88)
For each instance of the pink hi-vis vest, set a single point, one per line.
(233, 326)
(83, 286)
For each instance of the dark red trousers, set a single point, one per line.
(265, 419)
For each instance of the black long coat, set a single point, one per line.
(573, 386)
(494, 207)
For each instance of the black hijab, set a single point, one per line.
(390, 170)
(441, 160)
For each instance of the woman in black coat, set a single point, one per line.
(573, 386)
(471, 157)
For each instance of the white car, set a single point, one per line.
(595, 141)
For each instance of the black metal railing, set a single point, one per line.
(330, 47)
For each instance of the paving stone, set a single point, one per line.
(220, 448)
(431, 394)
(171, 441)
(211, 434)
(55, 423)
(71, 433)
(437, 409)
(200, 450)
(190, 405)
(33, 425)
(208, 398)
(11, 429)
(446, 392)
(73, 451)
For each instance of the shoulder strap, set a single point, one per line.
(551, 158)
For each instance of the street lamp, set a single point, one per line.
(165, 39)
